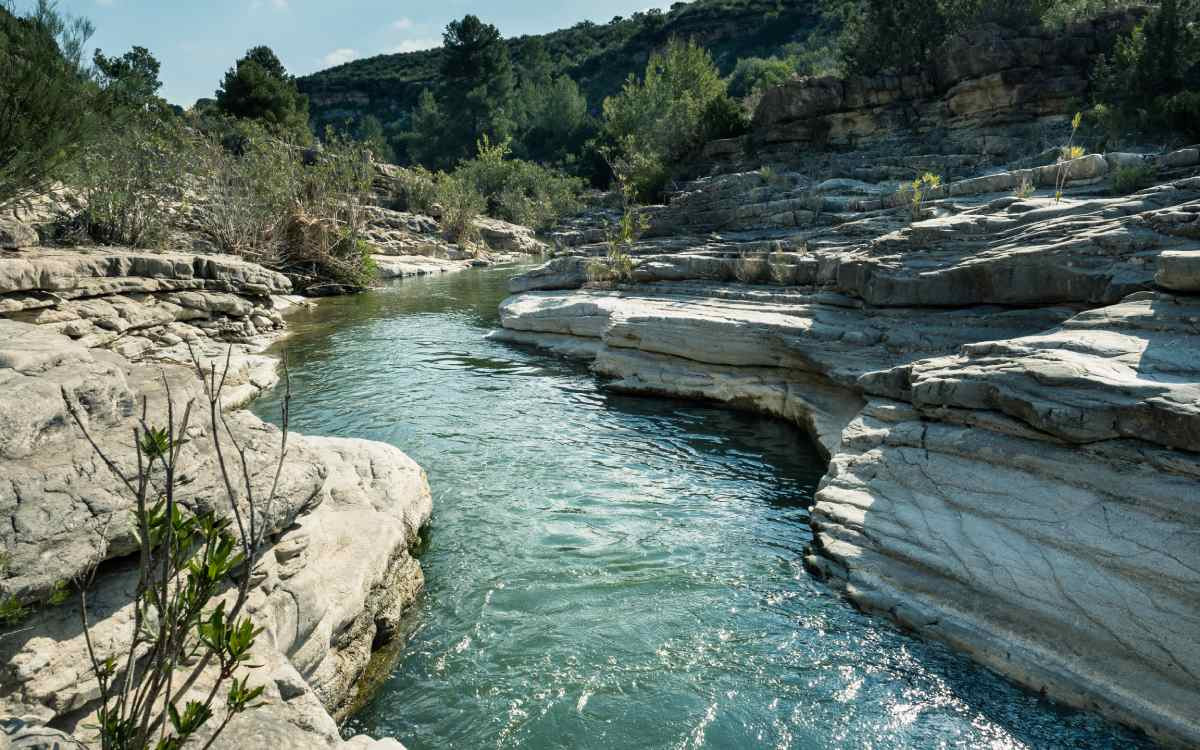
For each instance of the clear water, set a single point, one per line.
(618, 572)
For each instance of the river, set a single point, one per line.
(606, 571)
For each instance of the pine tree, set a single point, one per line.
(477, 85)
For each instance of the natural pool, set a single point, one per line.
(617, 572)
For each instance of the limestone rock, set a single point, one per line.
(503, 236)
(15, 234)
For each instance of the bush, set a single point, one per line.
(751, 268)
(752, 75)
(1131, 179)
(724, 118)
(274, 202)
(516, 190)
(915, 194)
(419, 188)
(1152, 81)
(45, 100)
(461, 203)
(618, 265)
(132, 179)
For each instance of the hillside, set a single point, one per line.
(598, 56)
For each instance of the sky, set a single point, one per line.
(198, 40)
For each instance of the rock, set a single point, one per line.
(1185, 157)
(17, 735)
(405, 266)
(557, 273)
(354, 505)
(513, 238)
(1179, 270)
(989, 93)
(1008, 392)
(15, 234)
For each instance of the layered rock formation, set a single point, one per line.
(111, 332)
(1008, 390)
(990, 95)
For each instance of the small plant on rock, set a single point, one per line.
(751, 268)
(916, 193)
(617, 264)
(1126, 180)
(1024, 189)
(151, 693)
(1066, 154)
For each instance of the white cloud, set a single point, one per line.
(339, 56)
(402, 24)
(413, 45)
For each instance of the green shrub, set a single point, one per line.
(46, 98)
(1025, 189)
(1125, 180)
(723, 117)
(419, 188)
(618, 265)
(916, 193)
(1065, 155)
(132, 179)
(461, 204)
(1151, 82)
(185, 561)
(516, 190)
(752, 75)
(1181, 113)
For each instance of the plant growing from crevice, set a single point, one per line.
(1024, 189)
(1066, 154)
(185, 561)
(751, 267)
(619, 239)
(915, 194)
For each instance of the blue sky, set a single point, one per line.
(197, 40)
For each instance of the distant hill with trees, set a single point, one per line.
(598, 57)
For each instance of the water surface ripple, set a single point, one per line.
(618, 572)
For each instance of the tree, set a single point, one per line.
(46, 97)
(477, 85)
(370, 133)
(131, 79)
(661, 118)
(426, 133)
(259, 88)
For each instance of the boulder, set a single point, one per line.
(15, 234)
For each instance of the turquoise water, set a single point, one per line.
(616, 572)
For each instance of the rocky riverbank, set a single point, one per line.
(1007, 389)
(109, 331)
